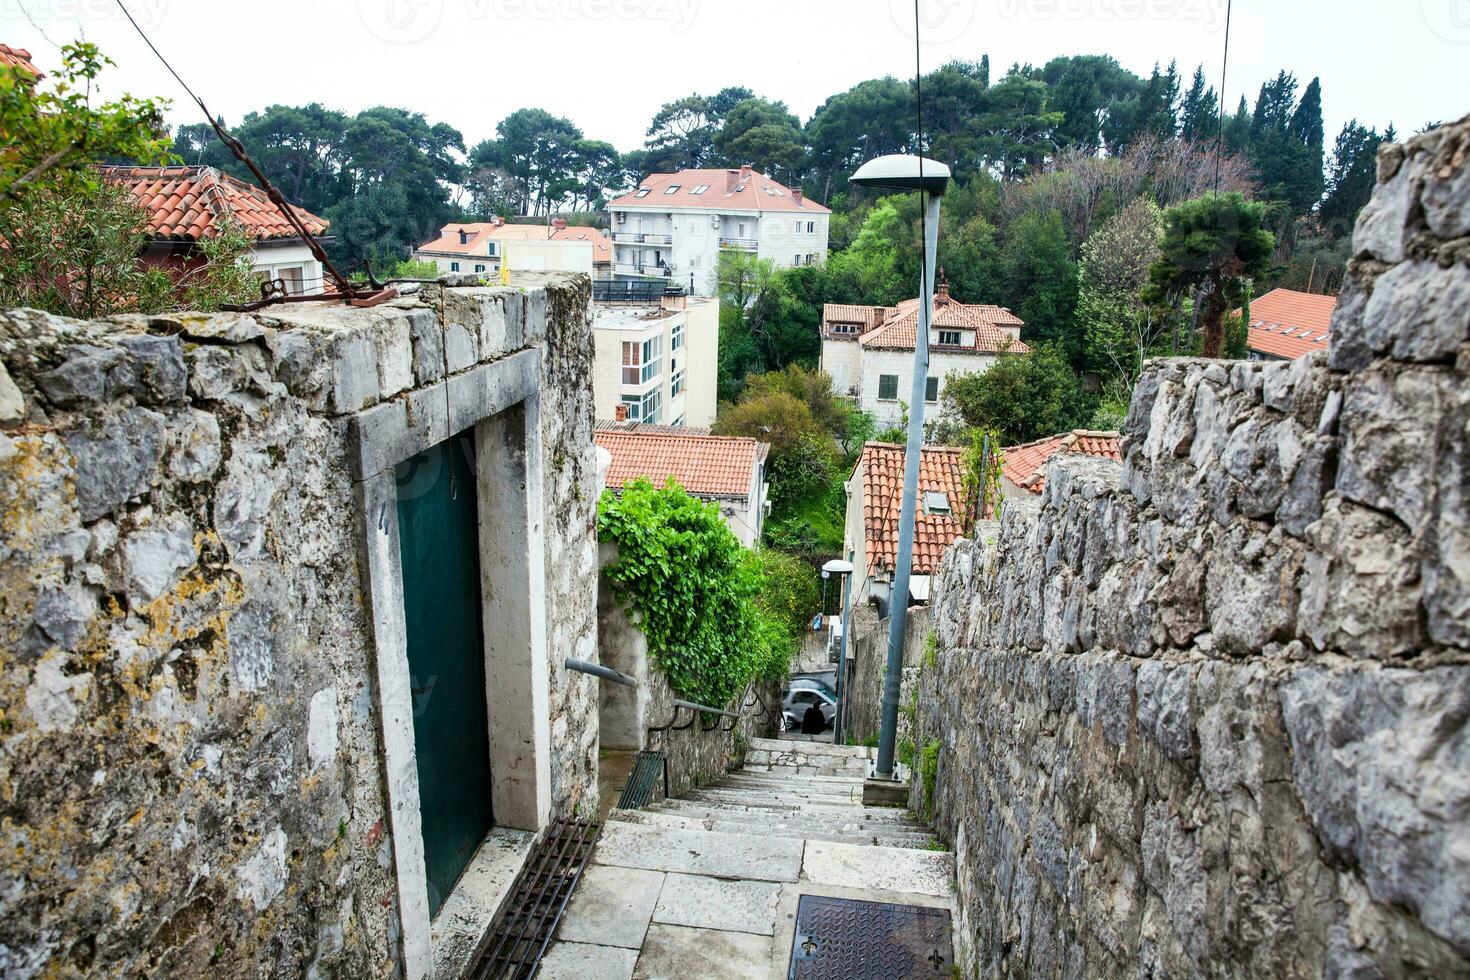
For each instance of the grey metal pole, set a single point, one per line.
(904, 561)
(842, 655)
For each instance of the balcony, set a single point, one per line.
(641, 269)
(739, 244)
(642, 238)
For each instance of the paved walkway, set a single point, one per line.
(707, 885)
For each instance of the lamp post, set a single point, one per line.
(844, 568)
(902, 172)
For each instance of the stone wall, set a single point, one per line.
(869, 661)
(191, 767)
(1203, 713)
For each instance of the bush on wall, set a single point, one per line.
(694, 591)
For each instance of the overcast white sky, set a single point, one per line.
(609, 64)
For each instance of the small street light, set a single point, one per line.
(844, 568)
(902, 172)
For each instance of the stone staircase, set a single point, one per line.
(706, 885)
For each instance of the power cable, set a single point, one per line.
(1220, 113)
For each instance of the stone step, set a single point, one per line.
(699, 852)
(773, 797)
(724, 809)
(809, 748)
(799, 830)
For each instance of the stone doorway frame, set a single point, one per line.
(500, 401)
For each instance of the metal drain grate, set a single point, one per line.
(848, 939)
(516, 940)
(639, 788)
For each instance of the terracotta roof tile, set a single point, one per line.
(705, 466)
(188, 203)
(996, 329)
(1288, 324)
(1025, 465)
(732, 190)
(478, 235)
(941, 469)
(18, 58)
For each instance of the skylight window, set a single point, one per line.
(672, 189)
(936, 502)
(700, 189)
(642, 192)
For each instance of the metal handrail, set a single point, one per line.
(705, 708)
(597, 670)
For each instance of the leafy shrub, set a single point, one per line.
(694, 591)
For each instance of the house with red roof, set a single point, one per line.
(1286, 324)
(483, 246)
(1023, 467)
(19, 58)
(869, 350)
(874, 499)
(675, 226)
(729, 471)
(187, 205)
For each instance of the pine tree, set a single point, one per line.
(1199, 112)
(1305, 183)
(1238, 129)
(1350, 178)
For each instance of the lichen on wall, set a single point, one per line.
(190, 759)
(1204, 712)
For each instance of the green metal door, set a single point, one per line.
(439, 539)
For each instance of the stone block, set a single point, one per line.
(155, 558)
(710, 903)
(12, 403)
(700, 853)
(427, 337)
(893, 869)
(1419, 311)
(354, 373)
(582, 961)
(393, 350)
(1390, 425)
(89, 377)
(157, 368)
(116, 458)
(677, 951)
(612, 906)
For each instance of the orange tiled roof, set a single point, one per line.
(1025, 465)
(18, 58)
(1289, 324)
(731, 190)
(478, 235)
(996, 329)
(706, 466)
(941, 469)
(188, 203)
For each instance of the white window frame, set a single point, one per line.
(672, 189)
(676, 384)
(454, 267)
(635, 349)
(957, 335)
(676, 336)
(642, 192)
(652, 403)
(888, 398)
(653, 352)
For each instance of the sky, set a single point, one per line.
(609, 64)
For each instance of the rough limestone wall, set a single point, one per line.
(1203, 713)
(190, 765)
(864, 694)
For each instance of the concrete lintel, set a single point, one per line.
(489, 388)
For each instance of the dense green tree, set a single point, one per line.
(682, 133)
(1015, 131)
(1199, 111)
(1022, 397)
(1118, 327)
(539, 152)
(1351, 176)
(1237, 128)
(764, 135)
(869, 266)
(1039, 281)
(871, 119)
(1213, 246)
(1082, 88)
(956, 95)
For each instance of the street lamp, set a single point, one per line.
(844, 568)
(901, 172)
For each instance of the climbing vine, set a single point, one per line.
(693, 589)
(982, 478)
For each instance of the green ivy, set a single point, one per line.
(693, 589)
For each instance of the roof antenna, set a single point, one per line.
(272, 291)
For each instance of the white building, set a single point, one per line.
(675, 225)
(657, 364)
(483, 246)
(869, 350)
(726, 470)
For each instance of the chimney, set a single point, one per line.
(941, 291)
(464, 237)
(745, 172)
(620, 413)
(796, 195)
(558, 223)
(732, 180)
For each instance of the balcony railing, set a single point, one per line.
(642, 238)
(744, 244)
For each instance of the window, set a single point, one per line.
(642, 192)
(677, 339)
(653, 349)
(811, 227)
(844, 328)
(931, 389)
(949, 338)
(936, 502)
(798, 227)
(672, 189)
(293, 278)
(887, 387)
(454, 267)
(634, 406)
(479, 267)
(742, 229)
(631, 361)
(676, 388)
(699, 189)
(651, 402)
(491, 251)
(678, 422)
(796, 260)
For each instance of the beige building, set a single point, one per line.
(656, 364)
(483, 246)
(869, 350)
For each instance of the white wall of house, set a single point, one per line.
(875, 364)
(682, 389)
(291, 262)
(449, 262)
(548, 256)
(843, 360)
(686, 242)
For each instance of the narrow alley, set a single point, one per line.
(709, 885)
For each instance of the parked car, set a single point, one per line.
(799, 697)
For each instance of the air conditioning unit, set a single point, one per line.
(622, 217)
(714, 221)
